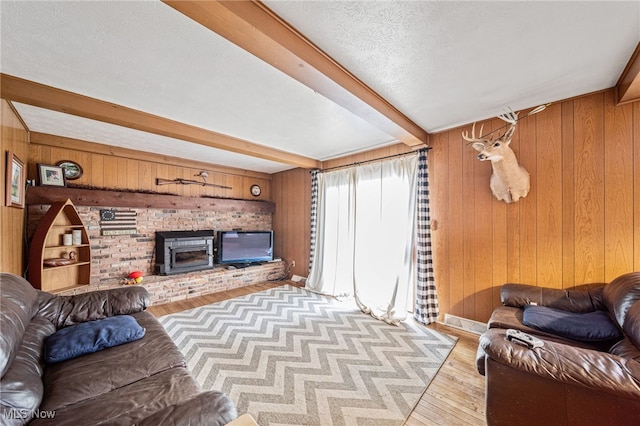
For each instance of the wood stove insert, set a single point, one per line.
(184, 251)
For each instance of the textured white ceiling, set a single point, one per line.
(440, 63)
(147, 56)
(447, 63)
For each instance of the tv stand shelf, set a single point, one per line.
(240, 265)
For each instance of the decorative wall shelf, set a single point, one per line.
(106, 198)
(47, 244)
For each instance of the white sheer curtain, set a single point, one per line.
(365, 236)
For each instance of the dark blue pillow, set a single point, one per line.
(588, 327)
(91, 336)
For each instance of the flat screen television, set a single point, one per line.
(244, 247)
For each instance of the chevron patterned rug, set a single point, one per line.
(289, 356)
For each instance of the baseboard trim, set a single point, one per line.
(465, 324)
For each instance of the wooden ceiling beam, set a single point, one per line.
(54, 141)
(628, 86)
(256, 29)
(39, 95)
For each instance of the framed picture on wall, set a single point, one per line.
(49, 175)
(15, 181)
(72, 170)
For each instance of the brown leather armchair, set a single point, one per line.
(566, 381)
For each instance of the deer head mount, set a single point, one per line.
(509, 181)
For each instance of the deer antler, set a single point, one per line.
(473, 138)
(510, 116)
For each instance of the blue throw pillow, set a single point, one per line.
(588, 327)
(91, 336)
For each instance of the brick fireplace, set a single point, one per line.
(115, 256)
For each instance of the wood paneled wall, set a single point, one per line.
(580, 224)
(291, 220)
(12, 220)
(120, 168)
(374, 154)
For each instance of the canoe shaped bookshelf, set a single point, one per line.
(58, 260)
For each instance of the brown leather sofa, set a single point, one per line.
(566, 381)
(143, 382)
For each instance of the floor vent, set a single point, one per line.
(471, 326)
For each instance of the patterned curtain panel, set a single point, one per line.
(314, 214)
(343, 207)
(427, 309)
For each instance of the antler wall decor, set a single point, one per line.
(509, 180)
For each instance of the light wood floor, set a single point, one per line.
(454, 397)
